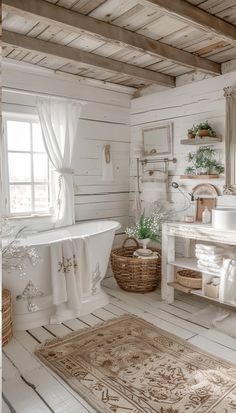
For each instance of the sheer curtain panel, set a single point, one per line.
(59, 122)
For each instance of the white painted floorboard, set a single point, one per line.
(30, 387)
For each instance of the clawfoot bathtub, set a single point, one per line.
(37, 311)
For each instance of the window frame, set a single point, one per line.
(29, 118)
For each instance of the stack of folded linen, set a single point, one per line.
(209, 258)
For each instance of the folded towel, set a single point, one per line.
(209, 249)
(209, 258)
(209, 264)
(208, 269)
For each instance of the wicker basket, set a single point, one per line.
(6, 317)
(189, 278)
(135, 274)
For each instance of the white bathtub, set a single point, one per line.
(101, 235)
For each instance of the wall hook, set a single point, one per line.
(107, 149)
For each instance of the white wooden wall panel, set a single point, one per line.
(184, 106)
(104, 120)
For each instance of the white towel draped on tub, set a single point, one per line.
(70, 277)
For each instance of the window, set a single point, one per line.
(28, 170)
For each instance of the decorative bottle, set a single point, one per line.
(206, 216)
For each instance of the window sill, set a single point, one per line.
(20, 217)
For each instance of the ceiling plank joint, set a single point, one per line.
(198, 18)
(74, 55)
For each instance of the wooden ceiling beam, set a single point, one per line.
(74, 55)
(76, 22)
(198, 18)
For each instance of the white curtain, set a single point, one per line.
(59, 122)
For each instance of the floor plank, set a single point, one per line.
(220, 338)
(58, 330)
(171, 328)
(214, 348)
(75, 324)
(19, 356)
(5, 408)
(90, 319)
(76, 403)
(103, 314)
(41, 334)
(23, 398)
(54, 393)
(115, 310)
(157, 313)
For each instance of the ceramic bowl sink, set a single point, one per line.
(224, 219)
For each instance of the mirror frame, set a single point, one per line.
(169, 128)
(230, 140)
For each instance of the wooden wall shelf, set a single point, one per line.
(207, 140)
(215, 176)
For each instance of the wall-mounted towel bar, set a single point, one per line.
(145, 161)
(165, 160)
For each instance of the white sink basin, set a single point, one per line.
(224, 219)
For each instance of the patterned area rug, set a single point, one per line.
(130, 366)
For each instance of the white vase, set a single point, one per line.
(144, 242)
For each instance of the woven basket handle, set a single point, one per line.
(130, 238)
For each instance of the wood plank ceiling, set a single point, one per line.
(128, 42)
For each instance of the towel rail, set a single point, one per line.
(145, 161)
(165, 160)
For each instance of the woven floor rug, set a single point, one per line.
(127, 365)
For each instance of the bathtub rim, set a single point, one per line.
(115, 227)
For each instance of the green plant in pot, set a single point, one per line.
(192, 132)
(204, 129)
(145, 231)
(203, 162)
(149, 228)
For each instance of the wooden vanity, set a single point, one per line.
(190, 233)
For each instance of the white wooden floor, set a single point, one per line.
(29, 387)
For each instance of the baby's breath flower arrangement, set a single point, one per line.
(145, 228)
(14, 255)
(150, 227)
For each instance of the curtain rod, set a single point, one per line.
(30, 93)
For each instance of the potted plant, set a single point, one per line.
(149, 228)
(204, 129)
(203, 162)
(192, 132)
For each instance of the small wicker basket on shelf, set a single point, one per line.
(6, 317)
(135, 274)
(189, 278)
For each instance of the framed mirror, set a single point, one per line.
(157, 140)
(230, 141)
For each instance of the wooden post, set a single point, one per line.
(168, 271)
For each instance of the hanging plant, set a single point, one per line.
(203, 162)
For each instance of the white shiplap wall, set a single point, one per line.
(105, 119)
(183, 106)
